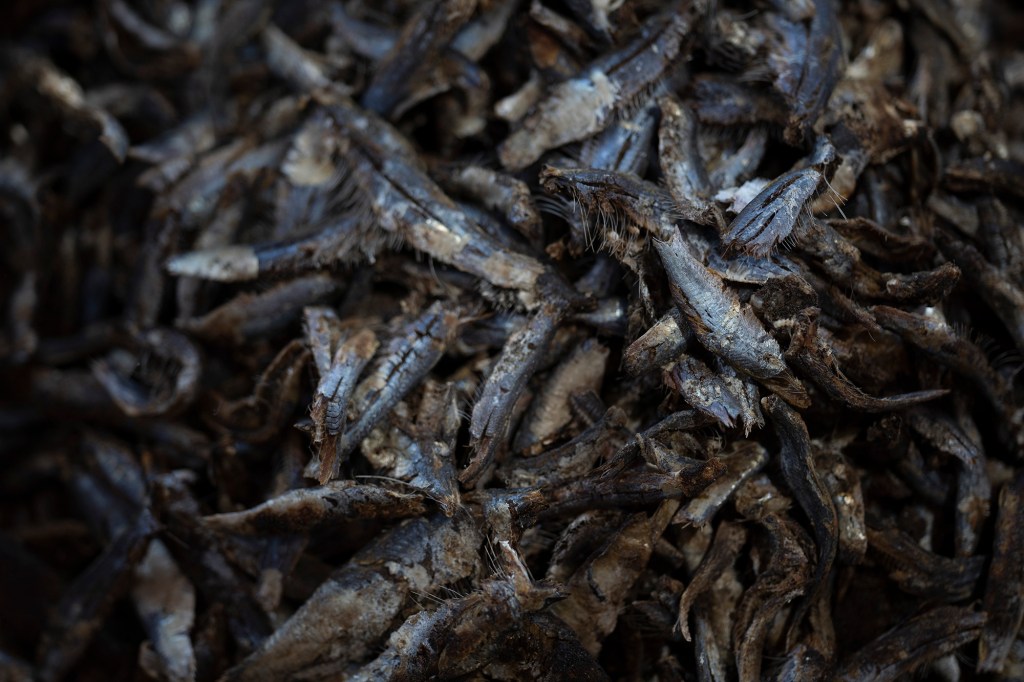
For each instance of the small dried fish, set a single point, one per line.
(167, 357)
(419, 556)
(79, 614)
(729, 539)
(428, 464)
(962, 441)
(931, 334)
(550, 412)
(658, 346)
(798, 469)
(817, 54)
(910, 645)
(785, 577)
(574, 458)
(492, 413)
(625, 144)
(769, 218)
(166, 602)
(407, 359)
(66, 96)
(598, 588)
(843, 483)
(1001, 294)
(497, 192)
(407, 203)
(920, 572)
(746, 459)
(243, 263)
(587, 103)
(1002, 600)
(1002, 176)
(720, 322)
(426, 34)
(200, 556)
(304, 70)
(724, 100)
(704, 390)
(304, 510)
(607, 487)
(337, 384)
(447, 641)
(815, 360)
(249, 316)
(685, 172)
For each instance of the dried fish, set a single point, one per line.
(770, 217)
(843, 483)
(338, 379)
(242, 263)
(419, 556)
(497, 192)
(723, 100)
(407, 359)
(166, 601)
(304, 510)
(746, 459)
(326, 326)
(608, 488)
(704, 390)
(79, 614)
(305, 71)
(429, 463)
(660, 345)
(493, 411)
(407, 203)
(1001, 294)
(425, 34)
(935, 337)
(812, 496)
(786, 576)
(441, 641)
(712, 627)
(598, 588)
(963, 442)
(815, 360)
(920, 572)
(625, 144)
(908, 646)
(715, 313)
(66, 96)
(729, 539)
(685, 172)
(586, 104)
(1002, 176)
(550, 412)
(250, 316)
(574, 458)
(1002, 601)
(200, 556)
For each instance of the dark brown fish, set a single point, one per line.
(912, 644)
(79, 614)
(1002, 601)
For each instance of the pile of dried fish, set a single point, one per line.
(512, 340)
